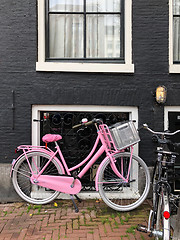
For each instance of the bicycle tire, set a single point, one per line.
(119, 195)
(21, 178)
(162, 224)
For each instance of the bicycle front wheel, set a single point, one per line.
(121, 195)
(162, 222)
(21, 177)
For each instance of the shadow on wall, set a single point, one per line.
(7, 192)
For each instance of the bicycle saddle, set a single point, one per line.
(51, 138)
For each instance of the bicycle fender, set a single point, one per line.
(14, 162)
(97, 173)
(36, 150)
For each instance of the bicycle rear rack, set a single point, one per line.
(25, 148)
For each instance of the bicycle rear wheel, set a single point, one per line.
(118, 194)
(162, 223)
(21, 178)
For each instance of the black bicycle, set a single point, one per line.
(164, 199)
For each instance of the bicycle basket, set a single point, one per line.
(124, 134)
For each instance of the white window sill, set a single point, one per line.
(84, 67)
(174, 68)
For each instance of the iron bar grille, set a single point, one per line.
(77, 143)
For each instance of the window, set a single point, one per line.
(172, 123)
(85, 29)
(84, 35)
(68, 115)
(176, 31)
(174, 39)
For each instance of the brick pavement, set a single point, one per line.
(58, 220)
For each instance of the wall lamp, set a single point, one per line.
(161, 94)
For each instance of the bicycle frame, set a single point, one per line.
(162, 182)
(91, 159)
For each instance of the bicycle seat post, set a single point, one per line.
(56, 144)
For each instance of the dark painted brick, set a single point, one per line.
(18, 56)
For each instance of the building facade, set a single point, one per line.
(87, 57)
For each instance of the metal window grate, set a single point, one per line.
(76, 144)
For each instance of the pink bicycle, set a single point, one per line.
(122, 178)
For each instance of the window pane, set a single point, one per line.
(65, 5)
(103, 36)
(176, 39)
(66, 36)
(176, 7)
(103, 5)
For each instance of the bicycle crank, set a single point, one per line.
(154, 233)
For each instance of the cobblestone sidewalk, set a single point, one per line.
(58, 220)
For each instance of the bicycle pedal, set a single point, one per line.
(142, 228)
(150, 235)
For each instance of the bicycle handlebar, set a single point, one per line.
(87, 123)
(95, 120)
(159, 133)
(83, 124)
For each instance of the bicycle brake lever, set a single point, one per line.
(145, 125)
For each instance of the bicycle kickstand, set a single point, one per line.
(79, 200)
(75, 206)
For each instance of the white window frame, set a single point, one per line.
(42, 65)
(36, 109)
(173, 68)
(168, 109)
